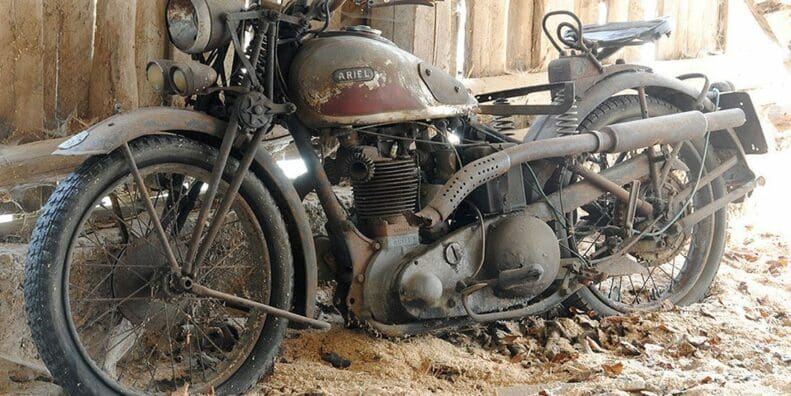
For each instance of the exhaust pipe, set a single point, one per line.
(615, 138)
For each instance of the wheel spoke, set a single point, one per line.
(121, 297)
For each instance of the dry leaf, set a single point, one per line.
(509, 339)
(183, 390)
(613, 370)
(562, 357)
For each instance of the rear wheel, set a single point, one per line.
(678, 266)
(105, 313)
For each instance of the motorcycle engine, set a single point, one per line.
(416, 273)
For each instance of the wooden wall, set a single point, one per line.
(505, 36)
(67, 63)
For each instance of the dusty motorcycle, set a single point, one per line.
(179, 253)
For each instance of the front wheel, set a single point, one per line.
(679, 266)
(104, 312)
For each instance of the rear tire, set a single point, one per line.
(626, 108)
(46, 284)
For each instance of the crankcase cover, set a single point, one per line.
(346, 78)
(526, 255)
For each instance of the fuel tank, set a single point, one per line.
(356, 77)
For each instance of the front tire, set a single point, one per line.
(238, 347)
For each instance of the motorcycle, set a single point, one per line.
(178, 253)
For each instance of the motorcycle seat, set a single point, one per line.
(606, 39)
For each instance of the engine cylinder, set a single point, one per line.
(390, 192)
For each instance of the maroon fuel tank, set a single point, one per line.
(359, 78)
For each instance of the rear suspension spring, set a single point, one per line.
(568, 122)
(503, 123)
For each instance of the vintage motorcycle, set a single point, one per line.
(178, 253)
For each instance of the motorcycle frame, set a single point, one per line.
(350, 245)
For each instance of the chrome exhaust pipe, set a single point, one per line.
(615, 138)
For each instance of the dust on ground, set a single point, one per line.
(738, 341)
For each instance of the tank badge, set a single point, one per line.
(354, 74)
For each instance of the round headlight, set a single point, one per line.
(197, 26)
(156, 75)
(180, 81)
(190, 78)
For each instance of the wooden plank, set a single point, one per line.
(33, 163)
(76, 61)
(151, 42)
(349, 14)
(383, 19)
(68, 45)
(622, 11)
(51, 41)
(681, 31)
(486, 38)
(760, 18)
(426, 32)
(696, 27)
(543, 51)
(445, 35)
(617, 10)
(456, 44)
(414, 30)
(7, 67)
(722, 25)
(520, 35)
(587, 11)
(710, 26)
(114, 75)
(666, 48)
(28, 70)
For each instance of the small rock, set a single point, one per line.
(785, 358)
(629, 349)
(632, 385)
(653, 349)
(559, 349)
(336, 360)
(685, 349)
(697, 341)
(736, 363)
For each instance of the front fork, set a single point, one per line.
(182, 274)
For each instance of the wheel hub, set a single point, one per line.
(143, 279)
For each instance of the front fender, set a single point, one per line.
(108, 135)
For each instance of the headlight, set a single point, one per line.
(158, 75)
(197, 26)
(190, 78)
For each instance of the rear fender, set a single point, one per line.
(108, 135)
